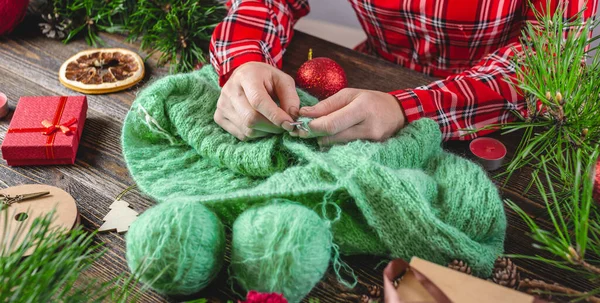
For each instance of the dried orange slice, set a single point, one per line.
(101, 71)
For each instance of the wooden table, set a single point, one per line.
(28, 66)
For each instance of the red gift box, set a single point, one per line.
(45, 131)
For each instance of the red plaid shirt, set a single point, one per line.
(469, 42)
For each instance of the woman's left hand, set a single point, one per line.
(353, 114)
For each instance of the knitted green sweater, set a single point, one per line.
(402, 198)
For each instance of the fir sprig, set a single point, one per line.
(561, 133)
(561, 93)
(55, 269)
(92, 16)
(574, 238)
(179, 31)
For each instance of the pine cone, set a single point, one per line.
(374, 291)
(374, 295)
(367, 299)
(505, 273)
(460, 266)
(55, 27)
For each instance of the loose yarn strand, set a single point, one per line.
(325, 203)
(231, 280)
(338, 264)
(153, 124)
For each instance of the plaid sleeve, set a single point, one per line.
(481, 95)
(254, 31)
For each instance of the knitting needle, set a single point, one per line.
(299, 125)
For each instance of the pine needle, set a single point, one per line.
(55, 271)
(561, 140)
(179, 31)
(561, 92)
(574, 239)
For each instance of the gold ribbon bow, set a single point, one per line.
(65, 128)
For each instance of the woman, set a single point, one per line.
(469, 42)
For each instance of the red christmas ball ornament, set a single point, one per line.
(11, 13)
(321, 77)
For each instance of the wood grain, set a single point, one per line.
(28, 66)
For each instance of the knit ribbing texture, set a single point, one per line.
(401, 198)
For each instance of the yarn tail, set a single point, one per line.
(339, 266)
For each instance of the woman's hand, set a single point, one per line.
(246, 107)
(353, 114)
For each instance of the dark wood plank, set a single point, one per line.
(28, 66)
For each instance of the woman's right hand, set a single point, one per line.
(247, 107)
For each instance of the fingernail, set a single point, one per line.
(293, 111)
(302, 133)
(306, 109)
(287, 126)
(294, 134)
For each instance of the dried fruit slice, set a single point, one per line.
(101, 71)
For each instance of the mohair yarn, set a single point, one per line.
(177, 247)
(401, 198)
(281, 247)
(304, 126)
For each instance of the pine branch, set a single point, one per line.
(576, 258)
(561, 94)
(90, 17)
(572, 232)
(179, 31)
(55, 269)
(591, 268)
(541, 287)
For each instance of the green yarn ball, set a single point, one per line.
(176, 248)
(282, 247)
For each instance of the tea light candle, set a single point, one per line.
(489, 152)
(3, 105)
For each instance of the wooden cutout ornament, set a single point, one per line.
(22, 214)
(119, 217)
